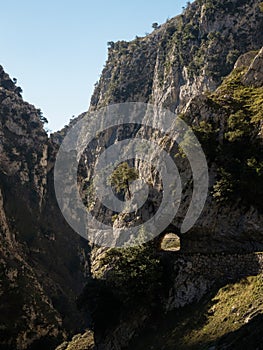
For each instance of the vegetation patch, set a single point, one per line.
(126, 275)
(232, 310)
(232, 139)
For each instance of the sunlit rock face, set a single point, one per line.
(176, 67)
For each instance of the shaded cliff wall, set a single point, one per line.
(43, 263)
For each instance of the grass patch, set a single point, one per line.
(206, 324)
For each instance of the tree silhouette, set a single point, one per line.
(155, 25)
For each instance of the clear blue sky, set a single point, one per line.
(57, 48)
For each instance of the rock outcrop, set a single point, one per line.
(175, 67)
(183, 58)
(187, 67)
(254, 75)
(43, 263)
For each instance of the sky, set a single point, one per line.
(56, 49)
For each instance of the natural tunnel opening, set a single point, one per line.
(171, 242)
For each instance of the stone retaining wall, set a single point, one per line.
(191, 276)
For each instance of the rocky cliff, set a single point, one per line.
(205, 65)
(184, 57)
(219, 250)
(43, 263)
(175, 67)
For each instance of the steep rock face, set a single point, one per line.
(23, 145)
(185, 56)
(182, 66)
(228, 123)
(43, 263)
(175, 67)
(225, 109)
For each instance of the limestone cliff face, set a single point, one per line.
(184, 66)
(221, 246)
(175, 67)
(184, 57)
(42, 262)
(24, 158)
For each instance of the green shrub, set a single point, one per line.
(132, 277)
(240, 156)
(133, 270)
(121, 177)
